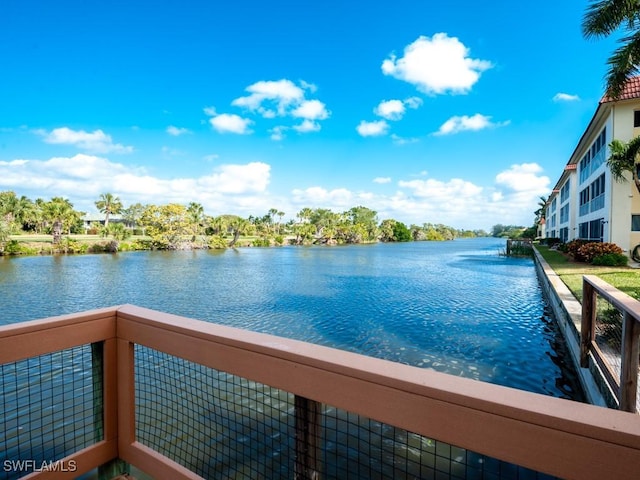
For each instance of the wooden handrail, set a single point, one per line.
(543, 433)
(626, 385)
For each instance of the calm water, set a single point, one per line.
(456, 307)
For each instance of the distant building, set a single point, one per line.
(586, 202)
(93, 218)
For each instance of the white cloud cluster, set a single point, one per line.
(524, 178)
(176, 131)
(395, 109)
(463, 123)
(93, 142)
(372, 129)
(437, 65)
(270, 100)
(231, 123)
(565, 97)
(457, 202)
(392, 110)
(244, 189)
(227, 187)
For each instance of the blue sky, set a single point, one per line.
(461, 113)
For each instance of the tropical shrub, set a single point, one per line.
(574, 245)
(71, 245)
(14, 247)
(610, 260)
(261, 242)
(217, 242)
(589, 251)
(142, 244)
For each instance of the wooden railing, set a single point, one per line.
(546, 434)
(624, 382)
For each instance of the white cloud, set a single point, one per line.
(390, 109)
(464, 122)
(372, 129)
(565, 97)
(437, 65)
(227, 188)
(311, 110)
(402, 140)
(336, 198)
(175, 131)
(278, 94)
(283, 98)
(524, 178)
(442, 192)
(382, 180)
(307, 126)
(277, 133)
(94, 142)
(413, 102)
(395, 109)
(231, 123)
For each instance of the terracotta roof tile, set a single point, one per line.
(630, 90)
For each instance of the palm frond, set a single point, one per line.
(623, 157)
(623, 64)
(603, 17)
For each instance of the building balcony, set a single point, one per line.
(182, 399)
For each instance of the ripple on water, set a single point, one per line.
(457, 307)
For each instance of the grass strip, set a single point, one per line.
(626, 279)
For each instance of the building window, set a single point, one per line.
(564, 193)
(636, 118)
(583, 230)
(594, 157)
(564, 214)
(564, 234)
(595, 230)
(584, 203)
(635, 223)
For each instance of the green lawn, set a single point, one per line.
(623, 278)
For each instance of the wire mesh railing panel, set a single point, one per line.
(608, 333)
(47, 410)
(356, 447)
(213, 423)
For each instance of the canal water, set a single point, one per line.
(457, 307)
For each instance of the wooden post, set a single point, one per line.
(629, 360)
(97, 380)
(587, 323)
(307, 426)
(116, 466)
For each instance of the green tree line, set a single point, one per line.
(177, 226)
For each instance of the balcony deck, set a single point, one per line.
(295, 401)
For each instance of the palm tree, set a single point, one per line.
(541, 211)
(625, 158)
(109, 205)
(603, 18)
(59, 212)
(280, 214)
(195, 216)
(238, 226)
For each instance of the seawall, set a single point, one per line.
(568, 313)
